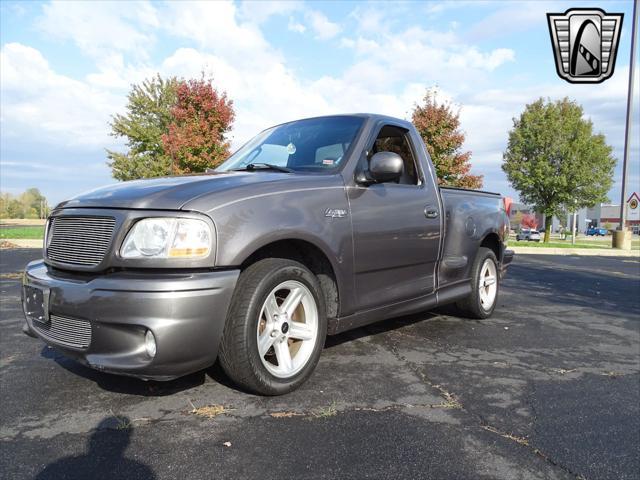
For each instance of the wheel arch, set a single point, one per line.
(310, 255)
(492, 241)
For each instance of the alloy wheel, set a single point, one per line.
(287, 329)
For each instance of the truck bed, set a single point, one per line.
(470, 215)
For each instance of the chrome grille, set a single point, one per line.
(79, 240)
(69, 332)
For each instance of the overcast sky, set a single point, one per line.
(66, 69)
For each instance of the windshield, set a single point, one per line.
(316, 144)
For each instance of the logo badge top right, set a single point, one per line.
(585, 43)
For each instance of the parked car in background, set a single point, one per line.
(597, 232)
(528, 234)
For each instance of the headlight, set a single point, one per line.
(168, 238)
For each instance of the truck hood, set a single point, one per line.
(174, 193)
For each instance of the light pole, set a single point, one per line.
(574, 227)
(621, 237)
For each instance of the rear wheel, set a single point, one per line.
(276, 327)
(485, 284)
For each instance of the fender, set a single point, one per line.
(299, 215)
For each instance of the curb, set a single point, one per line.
(587, 252)
(23, 242)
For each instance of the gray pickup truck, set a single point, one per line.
(313, 227)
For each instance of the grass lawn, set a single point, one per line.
(33, 232)
(37, 232)
(635, 244)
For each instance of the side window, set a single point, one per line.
(394, 139)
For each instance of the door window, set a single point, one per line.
(394, 139)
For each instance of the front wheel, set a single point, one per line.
(485, 283)
(276, 327)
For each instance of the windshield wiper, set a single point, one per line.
(263, 166)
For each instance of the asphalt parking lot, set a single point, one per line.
(549, 387)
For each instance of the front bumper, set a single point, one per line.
(185, 312)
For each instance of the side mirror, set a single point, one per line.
(383, 167)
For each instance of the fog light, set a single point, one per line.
(150, 343)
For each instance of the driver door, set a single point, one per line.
(395, 244)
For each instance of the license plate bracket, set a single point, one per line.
(36, 303)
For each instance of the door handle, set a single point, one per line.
(430, 212)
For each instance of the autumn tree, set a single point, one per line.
(555, 160)
(529, 221)
(439, 126)
(147, 118)
(200, 120)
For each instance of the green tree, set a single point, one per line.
(33, 203)
(29, 204)
(15, 209)
(6, 206)
(439, 126)
(147, 119)
(553, 159)
(517, 219)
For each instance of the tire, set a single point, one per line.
(476, 305)
(259, 315)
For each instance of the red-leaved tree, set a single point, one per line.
(439, 127)
(201, 118)
(529, 221)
